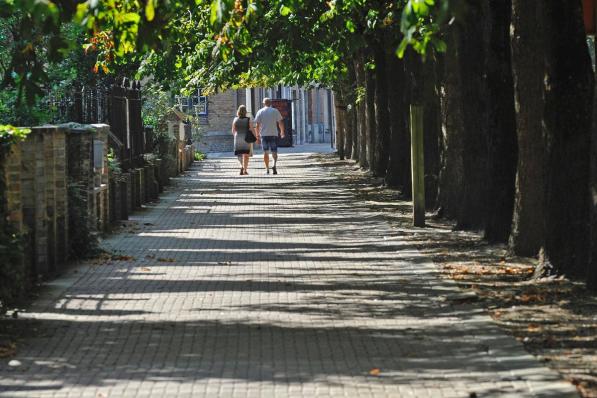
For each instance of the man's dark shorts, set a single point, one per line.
(269, 144)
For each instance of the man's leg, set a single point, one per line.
(266, 160)
(275, 156)
(274, 149)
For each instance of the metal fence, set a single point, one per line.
(115, 103)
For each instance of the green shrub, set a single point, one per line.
(199, 156)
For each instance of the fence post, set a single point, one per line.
(417, 165)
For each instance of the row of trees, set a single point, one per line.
(508, 127)
(507, 87)
(508, 91)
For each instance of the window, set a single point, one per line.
(195, 105)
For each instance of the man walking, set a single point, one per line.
(266, 120)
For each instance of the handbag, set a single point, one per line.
(249, 136)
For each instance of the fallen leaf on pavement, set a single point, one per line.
(375, 372)
(527, 298)
(123, 258)
(8, 350)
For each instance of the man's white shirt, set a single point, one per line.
(268, 117)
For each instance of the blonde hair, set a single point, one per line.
(242, 111)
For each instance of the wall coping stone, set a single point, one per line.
(81, 128)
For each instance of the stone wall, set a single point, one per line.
(87, 148)
(42, 173)
(39, 189)
(216, 141)
(221, 111)
(216, 135)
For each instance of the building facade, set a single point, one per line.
(312, 114)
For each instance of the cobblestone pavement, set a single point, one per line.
(266, 286)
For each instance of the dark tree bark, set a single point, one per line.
(399, 174)
(432, 130)
(340, 112)
(382, 116)
(528, 66)
(348, 94)
(370, 117)
(502, 140)
(472, 44)
(463, 178)
(567, 122)
(354, 128)
(354, 121)
(361, 155)
(592, 269)
(451, 144)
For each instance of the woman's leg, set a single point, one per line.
(246, 162)
(240, 160)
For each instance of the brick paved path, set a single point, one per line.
(266, 286)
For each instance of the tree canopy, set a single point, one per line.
(213, 44)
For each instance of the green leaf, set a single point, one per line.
(402, 48)
(285, 10)
(131, 17)
(350, 26)
(150, 10)
(440, 45)
(217, 11)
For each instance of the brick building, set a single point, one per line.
(312, 114)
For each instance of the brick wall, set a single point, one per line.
(12, 176)
(38, 173)
(61, 196)
(222, 110)
(216, 141)
(216, 135)
(43, 198)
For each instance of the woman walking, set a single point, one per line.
(240, 127)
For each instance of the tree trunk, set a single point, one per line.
(567, 122)
(432, 130)
(382, 116)
(370, 117)
(592, 270)
(528, 65)
(451, 144)
(399, 174)
(361, 112)
(472, 44)
(349, 95)
(340, 112)
(354, 128)
(502, 144)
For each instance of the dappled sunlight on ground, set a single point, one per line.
(285, 285)
(554, 318)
